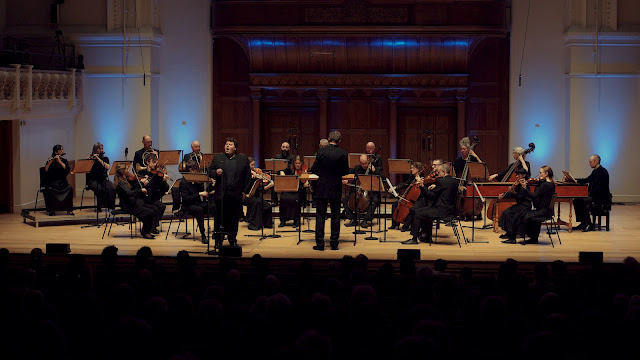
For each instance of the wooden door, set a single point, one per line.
(296, 125)
(425, 134)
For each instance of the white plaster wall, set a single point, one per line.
(538, 106)
(185, 85)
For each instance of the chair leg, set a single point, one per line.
(169, 229)
(35, 207)
(106, 223)
(607, 220)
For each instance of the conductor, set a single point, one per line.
(331, 164)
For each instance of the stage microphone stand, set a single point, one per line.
(222, 229)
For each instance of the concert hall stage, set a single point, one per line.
(623, 240)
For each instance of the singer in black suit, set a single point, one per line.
(599, 194)
(232, 174)
(331, 164)
(443, 195)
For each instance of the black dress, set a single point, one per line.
(131, 203)
(98, 182)
(527, 222)
(523, 203)
(290, 202)
(58, 194)
(256, 218)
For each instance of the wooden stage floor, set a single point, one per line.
(623, 240)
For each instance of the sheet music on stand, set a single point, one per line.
(206, 161)
(275, 165)
(477, 172)
(354, 159)
(569, 177)
(399, 166)
(82, 166)
(169, 157)
(112, 170)
(309, 160)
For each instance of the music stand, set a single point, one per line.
(169, 157)
(569, 177)
(83, 166)
(287, 183)
(112, 171)
(308, 177)
(202, 178)
(259, 184)
(275, 165)
(371, 183)
(399, 166)
(206, 160)
(309, 160)
(477, 172)
(354, 159)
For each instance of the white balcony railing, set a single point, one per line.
(21, 86)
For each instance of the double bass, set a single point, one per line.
(409, 197)
(467, 207)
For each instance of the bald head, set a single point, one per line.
(364, 160)
(147, 141)
(594, 161)
(371, 147)
(195, 146)
(285, 146)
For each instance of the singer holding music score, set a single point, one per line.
(364, 168)
(138, 158)
(232, 173)
(290, 202)
(131, 201)
(443, 204)
(58, 194)
(154, 179)
(416, 168)
(194, 155)
(467, 153)
(519, 192)
(528, 221)
(331, 164)
(195, 199)
(599, 194)
(521, 163)
(255, 201)
(98, 178)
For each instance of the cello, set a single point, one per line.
(467, 207)
(359, 200)
(495, 208)
(410, 196)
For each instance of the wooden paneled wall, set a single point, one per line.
(414, 89)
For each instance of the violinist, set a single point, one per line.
(416, 171)
(527, 222)
(98, 178)
(58, 195)
(520, 163)
(140, 156)
(130, 200)
(519, 192)
(195, 200)
(257, 218)
(364, 168)
(466, 154)
(290, 202)
(154, 179)
(443, 196)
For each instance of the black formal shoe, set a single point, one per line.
(404, 229)
(351, 223)
(504, 236)
(282, 223)
(148, 236)
(334, 246)
(268, 226)
(52, 213)
(204, 240)
(412, 241)
(509, 241)
(579, 227)
(70, 213)
(394, 227)
(531, 241)
(253, 227)
(424, 238)
(233, 244)
(296, 224)
(588, 228)
(365, 223)
(319, 247)
(155, 232)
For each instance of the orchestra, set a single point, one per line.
(237, 182)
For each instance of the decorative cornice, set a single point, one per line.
(120, 75)
(405, 81)
(604, 39)
(475, 30)
(117, 40)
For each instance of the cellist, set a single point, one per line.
(416, 169)
(520, 163)
(364, 168)
(422, 200)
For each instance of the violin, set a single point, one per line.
(266, 178)
(302, 170)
